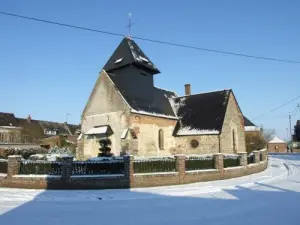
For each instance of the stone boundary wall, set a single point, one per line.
(129, 179)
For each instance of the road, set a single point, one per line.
(269, 197)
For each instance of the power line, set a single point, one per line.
(295, 110)
(148, 39)
(271, 118)
(284, 104)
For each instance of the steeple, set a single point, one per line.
(128, 53)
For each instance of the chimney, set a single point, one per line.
(29, 119)
(187, 89)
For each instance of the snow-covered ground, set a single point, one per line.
(270, 197)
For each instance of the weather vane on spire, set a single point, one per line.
(129, 25)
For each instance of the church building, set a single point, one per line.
(145, 120)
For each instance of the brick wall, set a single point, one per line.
(277, 147)
(128, 179)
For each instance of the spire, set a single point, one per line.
(130, 23)
(128, 53)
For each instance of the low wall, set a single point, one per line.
(129, 178)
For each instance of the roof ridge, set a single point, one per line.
(202, 93)
(166, 90)
(47, 121)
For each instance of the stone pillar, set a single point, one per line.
(79, 149)
(264, 154)
(243, 158)
(13, 165)
(256, 156)
(66, 167)
(219, 161)
(128, 169)
(180, 164)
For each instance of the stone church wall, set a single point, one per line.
(147, 131)
(233, 121)
(105, 107)
(207, 144)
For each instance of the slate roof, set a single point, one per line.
(131, 71)
(248, 123)
(36, 127)
(140, 94)
(201, 113)
(129, 53)
(8, 119)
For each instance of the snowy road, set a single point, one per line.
(270, 197)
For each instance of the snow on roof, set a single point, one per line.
(98, 130)
(164, 89)
(176, 106)
(119, 60)
(252, 128)
(152, 114)
(136, 55)
(276, 140)
(11, 127)
(191, 131)
(124, 133)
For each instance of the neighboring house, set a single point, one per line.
(251, 127)
(277, 145)
(142, 119)
(296, 136)
(10, 132)
(28, 131)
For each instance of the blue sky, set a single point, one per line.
(47, 70)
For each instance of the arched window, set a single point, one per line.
(233, 141)
(161, 139)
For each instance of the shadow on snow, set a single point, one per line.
(265, 204)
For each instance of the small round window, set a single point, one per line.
(194, 143)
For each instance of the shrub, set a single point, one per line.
(38, 157)
(254, 142)
(60, 151)
(25, 153)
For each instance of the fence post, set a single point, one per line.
(256, 156)
(180, 166)
(13, 165)
(128, 169)
(219, 161)
(264, 154)
(243, 158)
(66, 167)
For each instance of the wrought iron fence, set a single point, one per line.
(98, 167)
(232, 161)
(154, 165)
(199, 163)
(3, 166)
(40, 167)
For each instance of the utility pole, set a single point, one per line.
(67, 114)
(290, 118)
